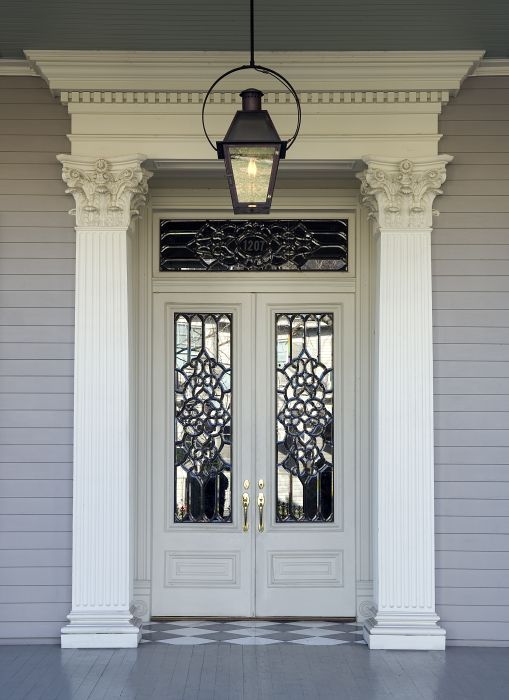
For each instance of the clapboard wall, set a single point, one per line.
(471, 319)
(36, 364)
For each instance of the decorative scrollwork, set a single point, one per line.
(304, 385)
(254, 245)
(202, 417)
(366, 609)
(107, 193)
(400, 194)
(304, 414)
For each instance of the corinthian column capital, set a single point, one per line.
(400, 193)
(108, 193)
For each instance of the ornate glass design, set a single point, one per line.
(304, 417)
(203, 418)
(254, 245)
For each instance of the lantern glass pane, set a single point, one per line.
(252, 170)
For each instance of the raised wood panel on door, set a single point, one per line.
(36, 351)
(471, 317)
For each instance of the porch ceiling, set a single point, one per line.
(283, 25)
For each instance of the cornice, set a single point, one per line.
(193, 71)
(492, 67)
(16, 67)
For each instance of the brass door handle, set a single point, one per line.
(245, 506)
(261, 503)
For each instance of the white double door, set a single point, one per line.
(253, 447)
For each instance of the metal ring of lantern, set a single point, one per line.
(266, 71)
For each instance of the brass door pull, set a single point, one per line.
(245, 506)
(261, 503)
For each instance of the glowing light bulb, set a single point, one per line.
(251, 168)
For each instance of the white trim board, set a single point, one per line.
(484, 66)
(17, 68)
(358, 281)
(492, 67)
(310, 70)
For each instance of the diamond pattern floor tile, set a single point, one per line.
(252, 632)
(179, 641)
(319, 641)
(248, 641)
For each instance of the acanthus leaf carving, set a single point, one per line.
(108, 193)
(399, 194)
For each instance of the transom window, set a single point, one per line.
(254, 245)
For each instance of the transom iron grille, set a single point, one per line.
(254, 245)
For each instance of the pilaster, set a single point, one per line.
(108, 195)
(400, 195)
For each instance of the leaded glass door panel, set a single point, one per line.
(253, 455)
(203, 451)
(305, 409)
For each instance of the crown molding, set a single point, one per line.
(194, 71)
(492, 67)
(16, 67)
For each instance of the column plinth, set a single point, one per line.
(108, 195)
(400, 195)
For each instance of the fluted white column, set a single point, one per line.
(108, 194)
(400, 195)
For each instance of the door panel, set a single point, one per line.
(254, 397)
(202, 562)
(305, 406)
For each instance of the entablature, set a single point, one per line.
(352, 102)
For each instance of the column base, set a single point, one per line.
(95, 632)
(404, 632)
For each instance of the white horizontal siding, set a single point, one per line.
(471, 334)
(36, 355)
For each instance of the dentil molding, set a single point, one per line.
(399, 194)
(348, 97)
(108, 193)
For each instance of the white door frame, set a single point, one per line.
(344, 203)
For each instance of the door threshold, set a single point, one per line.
(222, 618)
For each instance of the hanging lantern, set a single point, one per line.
(251, 151)
(252, 148)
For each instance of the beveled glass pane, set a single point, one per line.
(304, 418)
(203, 422)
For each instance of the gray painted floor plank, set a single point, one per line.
(220, 671)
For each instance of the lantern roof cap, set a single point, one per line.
(252, 127)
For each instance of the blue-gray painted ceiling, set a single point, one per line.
(296, 25)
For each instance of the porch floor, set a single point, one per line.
(223, 671)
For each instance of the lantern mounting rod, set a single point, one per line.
(252, 61)
(260, 69)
